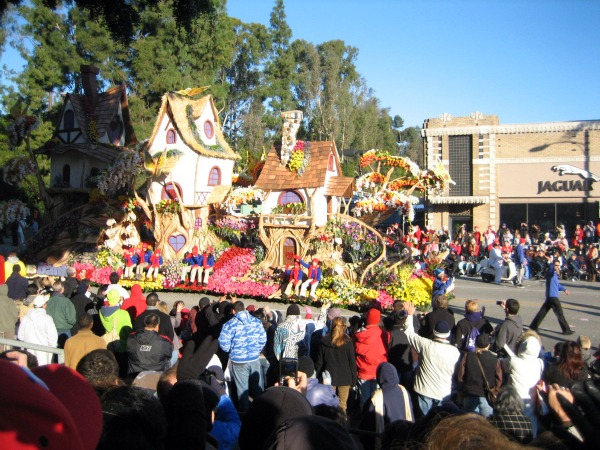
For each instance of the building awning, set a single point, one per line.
(464, 200)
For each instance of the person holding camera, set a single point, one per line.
(508, 332)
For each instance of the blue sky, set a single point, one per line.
(525, 61)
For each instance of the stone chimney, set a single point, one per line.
(90, 83)
(291, 124)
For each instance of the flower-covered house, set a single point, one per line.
(302, 184)
(190, 166)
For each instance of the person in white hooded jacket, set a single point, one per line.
(525, 370)
(37, 327)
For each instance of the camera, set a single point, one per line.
(288, 368)
(499, 303)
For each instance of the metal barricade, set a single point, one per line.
(28, 346)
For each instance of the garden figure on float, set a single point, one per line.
(131, 259)
(441, 285)
(156, 261)
(192, 262)
(296, 275)
(207, 262)
(314, 277)
(143, 260)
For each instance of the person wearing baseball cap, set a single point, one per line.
(437, 362)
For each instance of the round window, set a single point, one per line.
(209, 129)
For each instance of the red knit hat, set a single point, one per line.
(78, 397)
(373, 317)
(31, 416)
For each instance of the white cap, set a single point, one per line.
(39, 301)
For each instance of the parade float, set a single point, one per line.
(175, 192)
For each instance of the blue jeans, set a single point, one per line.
(479, 405)
(530, 411)
(248, 378)
(426, 403)
(366, 389)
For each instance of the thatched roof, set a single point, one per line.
(183, 111)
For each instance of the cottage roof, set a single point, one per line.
(339, 187)
(106, 108)
(183, 111)
(277, 177)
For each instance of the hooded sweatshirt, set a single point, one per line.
(244, 337)
(371, 347)
(525, 368)
(136, 303)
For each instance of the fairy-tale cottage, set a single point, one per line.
(92, 129)
(307, 176)
(189, 163)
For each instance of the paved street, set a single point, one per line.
(581, 307)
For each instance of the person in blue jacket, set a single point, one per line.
(553, 287)
(314, 276)
(441, 286)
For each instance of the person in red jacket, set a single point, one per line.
(136, 303)
(371, 347)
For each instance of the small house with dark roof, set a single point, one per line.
(92, 130)
(189, 132)
(320, 187)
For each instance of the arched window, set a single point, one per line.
(331, 163)
(172, 191)
(209, 129)
(66, 175)
(214, 176)
(69, 120)
(171, 136)
(115, 129)
(290, 197)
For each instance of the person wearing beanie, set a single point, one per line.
(289, 334)
(437, 362)
(371, 347)
(37, 327)
(314, 276)
(474, 366)
(440, 285)
(400, 354)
